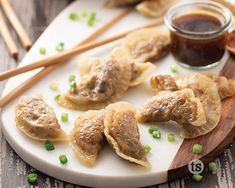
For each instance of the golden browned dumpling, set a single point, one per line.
(180, 106)
(87, 136)
(140, 71)
(154, 8)
(121, 131)
(146, 44)
(106, 82)
(37, 120)
(205, 89)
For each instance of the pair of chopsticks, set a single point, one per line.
(52, 62)
(17, 26)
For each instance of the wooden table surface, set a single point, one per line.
(36, 15)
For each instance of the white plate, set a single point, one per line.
(110, 170)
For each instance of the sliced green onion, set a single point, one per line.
(56, 97)
(32, 177)
(72, 78)
(156, 134)
(147, 148)
(197, 148)
(174, 69)
(64, 117)
(73, 16)
(42, 51)
(54, 86)
(152, 128)
(84, 14)
(49, 145)
(212, 167)
(73, 85)
(63, 159)
(171, 137)
(91, 19)
(60, 47)
(197, 177)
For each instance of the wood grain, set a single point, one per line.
(14, 170)
(214, 142)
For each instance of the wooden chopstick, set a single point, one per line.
(66, 55)
(36, 78)
(7, 38)
(16, 24)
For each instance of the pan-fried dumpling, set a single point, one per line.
(107, 81)
(37, 120)
(225, 86)
(146, 44)
(180, 106)
(154, 8)
(87, 137)
(140, 72)
(87, 65)
(116, 3)
(121, 131)
(205, 89)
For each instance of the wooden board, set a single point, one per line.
(215, 142)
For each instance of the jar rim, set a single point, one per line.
(225, 12)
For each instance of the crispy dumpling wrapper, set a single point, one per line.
(146, 44)
(37, 120)
(205, 89)
(106, 82)
(121, 131)
(140, 72)
(154, 8)
(180, 106)
(87, 136)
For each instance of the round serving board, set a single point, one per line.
(168, 160)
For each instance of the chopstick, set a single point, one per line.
(7, 38)
(16, 24)
(66, 55)
(37, 77)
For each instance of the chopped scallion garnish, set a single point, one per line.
(72, 78)
(32, 177)
(64, 117)
(152, 128)
(54, 86)
(60, 47)
(42, 51)
(174, 69)
(197, 148)
(84, 14)
(63, 159)
(212, 167)
(156, 134)
(56, 97)
(49, 145)
(73, 85)
(197, 177)
(171, 137)
(91, 19)
(147, 148)
(73, 16)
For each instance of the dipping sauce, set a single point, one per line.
(196, 52)
(198, 32)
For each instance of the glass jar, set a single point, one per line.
(198, 31)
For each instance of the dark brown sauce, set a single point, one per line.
(197, 52)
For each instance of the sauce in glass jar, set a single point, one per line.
(198, 33)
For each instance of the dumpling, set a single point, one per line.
(140, 72)
(180, 106)
(154, 8)
(37, 120)
(205, 89)
(115, 3)
(106, 82)
(121, 131)
(87, 136)
(225, 86)
(146, 44)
